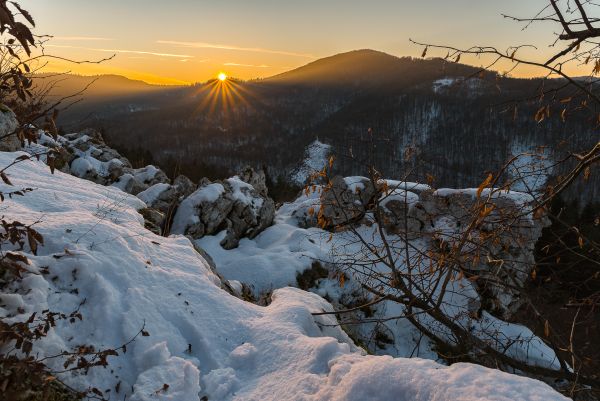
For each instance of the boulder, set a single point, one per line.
(396, 208)
(346, 200)
(8, 125)
(153, 220)
(134, 181)
(256, 179)
(233, 205)
(128, 183)
(203, 212)
(251, 213)
(166, 198)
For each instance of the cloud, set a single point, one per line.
(81, 38)
(247, 65)
(182, 56)
(202, 45)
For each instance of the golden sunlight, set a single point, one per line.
(222, 76)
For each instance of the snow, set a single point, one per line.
(356, 184)
(270, 261)
(520, 198)
(86, 163)
(473, 85)
(315, 158)
(146, 174)
(421, 380)
(405, 185)
(443, 83)
(123, 181)
(400, 195)
(203, 341)
(151, 194)
(275, 257)
(186, 213)
(241, 192)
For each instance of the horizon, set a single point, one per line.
(195, 42)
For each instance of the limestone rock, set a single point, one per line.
(8, 125)
(233, 204)
(347, 200)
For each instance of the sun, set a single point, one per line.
(222, 76)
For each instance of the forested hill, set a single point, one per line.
(458, 122)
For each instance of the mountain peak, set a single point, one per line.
(372, 68)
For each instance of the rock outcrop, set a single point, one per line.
(8, 125)
(241, 208)
(501, 249)
(346, 200)
(240, 205)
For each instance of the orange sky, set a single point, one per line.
(184, 41)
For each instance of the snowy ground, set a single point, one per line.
(203, 341)
(274, 258)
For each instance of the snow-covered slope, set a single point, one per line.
(275, 257)
(315, 158)
(203, 341)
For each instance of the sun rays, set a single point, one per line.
(221, 96)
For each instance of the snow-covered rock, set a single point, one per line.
(165, 197)
(202, 212)
(242, 208)
(204, 343)
(417, 212)
(316, 157)
(346, 200)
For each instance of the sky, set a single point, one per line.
(186, 41)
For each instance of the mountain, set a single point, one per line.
(454, 123)
(94, 87)
(368, 68)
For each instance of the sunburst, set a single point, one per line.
(222, 93)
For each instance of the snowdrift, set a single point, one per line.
(203, 341)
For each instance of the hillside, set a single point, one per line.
(426, 107)
(100, 86)
(200, 340)
(368, 68)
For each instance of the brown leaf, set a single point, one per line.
(50, 162)
(6, 17)
(32, 243)
(539, 212)
(540, 115)
(484, 185)
(5, 178)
